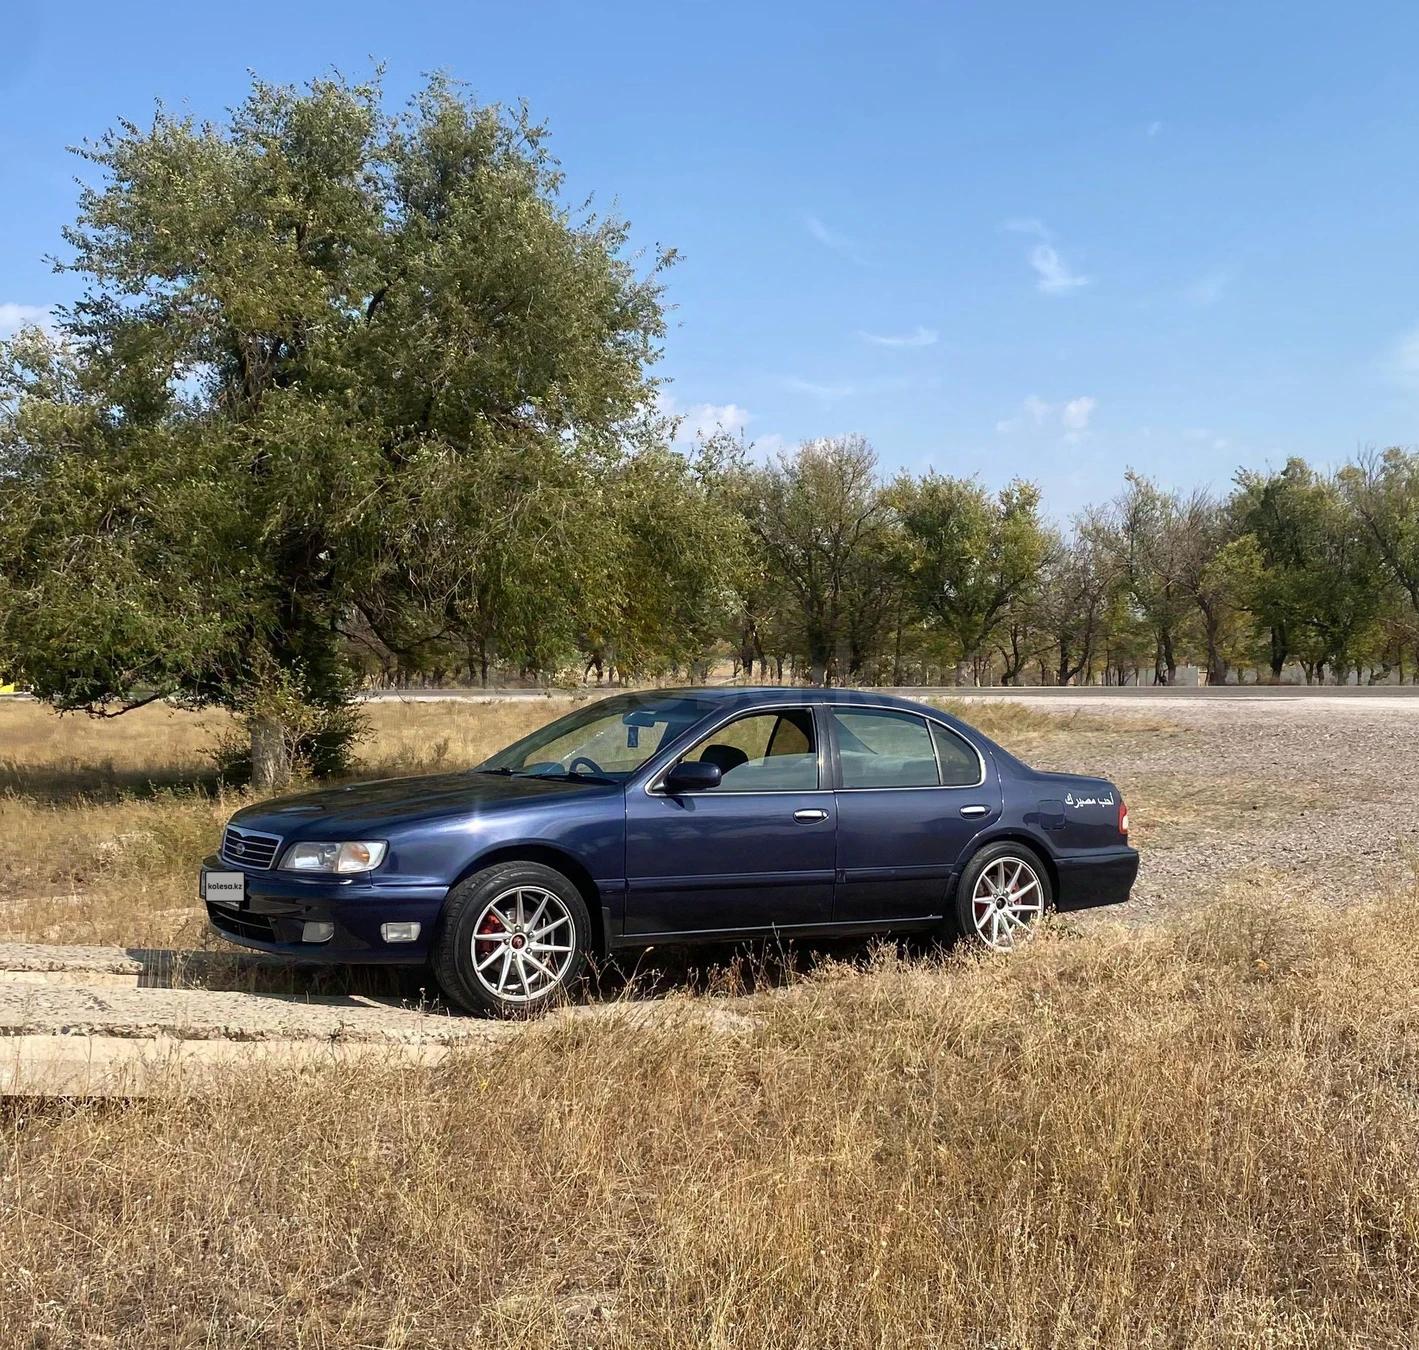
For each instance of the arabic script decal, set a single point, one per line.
(1078, 802)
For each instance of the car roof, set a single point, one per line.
(732, 694)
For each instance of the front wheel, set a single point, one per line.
(514, 938)
(1003, 892)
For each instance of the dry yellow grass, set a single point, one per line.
(1026, 731)
(1199, 1136)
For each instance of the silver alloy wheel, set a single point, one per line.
(523, 944)
(1006, 900)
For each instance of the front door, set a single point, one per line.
(755, 853)
(912, 796)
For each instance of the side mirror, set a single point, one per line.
(692, 775)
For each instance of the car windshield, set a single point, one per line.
(609, 740)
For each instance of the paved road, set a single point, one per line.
(1394, 694)
(1384, 695)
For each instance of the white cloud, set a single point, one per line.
(1071, 418)
(829, 393)
(765, 448)
(1027, 225)
(836, 392)
(840, 243)
(695, 421)
(1403, 360)
(14, 317)
(1207, 436)
(1076, 413)
(1053, 276)
(918, 337)
(1038, 410)
(1154, 128)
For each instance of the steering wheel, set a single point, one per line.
(589, 762)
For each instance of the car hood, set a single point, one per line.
(382, 803)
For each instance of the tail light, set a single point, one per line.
(1122, 816)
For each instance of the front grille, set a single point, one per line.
(249, 848)
(243, 924)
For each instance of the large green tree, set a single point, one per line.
(333, 369)
(819, 521)
(1148, 540)
(1319, 586)
(973, 555)
(1383, 491)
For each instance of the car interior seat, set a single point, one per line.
(727, 757)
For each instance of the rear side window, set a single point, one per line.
(882, 748)
(959, 765)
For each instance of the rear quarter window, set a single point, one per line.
(960, 766)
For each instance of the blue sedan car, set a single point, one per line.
(668, 817)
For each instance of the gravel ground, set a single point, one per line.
(1317, 796)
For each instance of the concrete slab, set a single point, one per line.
(218, 1014)
(123, 1066)
(85, 1041)
(44, 956)
(131, 967)
(102, 979)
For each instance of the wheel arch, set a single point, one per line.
(1012, 836)
(560, 861)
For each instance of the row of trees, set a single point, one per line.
(353, 394)
(937, 580)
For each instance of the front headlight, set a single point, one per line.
(360, 856)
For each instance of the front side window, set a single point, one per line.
(609, 740)
(763, 752)
(883, 748)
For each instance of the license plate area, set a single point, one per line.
(227, 889)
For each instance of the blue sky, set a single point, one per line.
(1003, 239)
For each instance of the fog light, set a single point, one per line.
(399, 932)
(317, 932)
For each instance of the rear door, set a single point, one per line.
(911, 796)
(756, 852)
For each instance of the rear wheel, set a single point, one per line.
(1003, 892)
(514, 938)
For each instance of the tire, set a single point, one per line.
(490, 957)
(1003, 891)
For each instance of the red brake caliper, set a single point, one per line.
(491, 924)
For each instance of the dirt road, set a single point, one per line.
(1319, 796)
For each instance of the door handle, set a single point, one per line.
(809, 815)
(974, 810)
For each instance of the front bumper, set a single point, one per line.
(278, 906)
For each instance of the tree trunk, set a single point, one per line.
(1278, 651)
(746, 654)
(270, 754)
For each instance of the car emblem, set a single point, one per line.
(236, 848)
